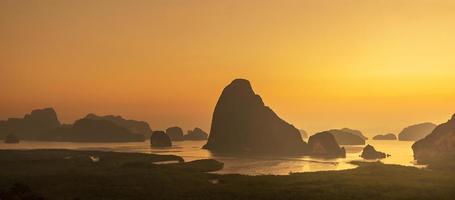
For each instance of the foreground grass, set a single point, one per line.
(64, 174)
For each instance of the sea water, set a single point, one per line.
(400, 151)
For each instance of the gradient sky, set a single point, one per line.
(373, 65)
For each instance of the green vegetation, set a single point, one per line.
(66, 174)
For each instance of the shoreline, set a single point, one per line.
(47, 173)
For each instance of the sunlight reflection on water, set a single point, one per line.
(191, 150)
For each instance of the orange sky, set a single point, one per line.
(372, 65)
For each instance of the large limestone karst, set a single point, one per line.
(241, 123)
(416, 132)
(134, 126)
(439, 144)
(31, 126)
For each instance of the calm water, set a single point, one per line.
(191, 150)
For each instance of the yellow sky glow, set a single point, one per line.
(372, 65)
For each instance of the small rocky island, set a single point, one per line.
(440, 144)
(196, 134)
(241, 123)
(11, 139)
(389, 136)
(416, 132)
(324, 144)
(370, 153)
(175, 133)
(160, 139)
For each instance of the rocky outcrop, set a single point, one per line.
(11, 139)
(389, 136)
(241, 123)
(160, 139)
(32, 125)
(324, 144)
(196, 134)
(303, 133)
(416, 132)
(370, 153)
(347, 137)
(134, 126)
(439, 144)
(175, 133)
(92, 130)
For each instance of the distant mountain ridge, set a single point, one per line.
(92, 130)
(43, 125)
(31, 126)
(134, 126)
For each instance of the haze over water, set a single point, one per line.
(191, 150)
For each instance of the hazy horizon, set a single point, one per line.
(376, 66)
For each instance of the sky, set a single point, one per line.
(372, 65)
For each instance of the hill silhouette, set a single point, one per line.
(416, 132)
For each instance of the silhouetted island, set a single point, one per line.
(348, 137)
(11, 139)
(416, 132)
(160, 139)
(196, 134)
(92, 130)
(241, 123)
(324, 144)
(370, 153)
(355, 132)
(31, 126)
(175, 133)
(389, 136)
(439, 144)
(134, 126)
